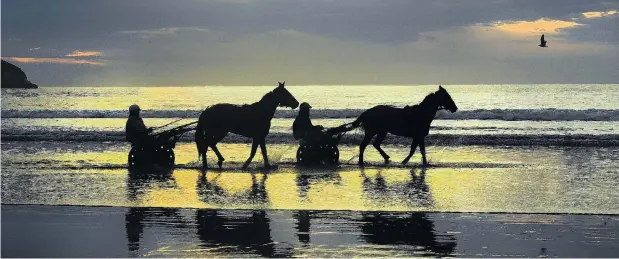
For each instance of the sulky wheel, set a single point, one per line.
(301, 155)
(134, 157)
(168, 157)
(306, 155)
(331, 155)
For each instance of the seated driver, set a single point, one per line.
(135, 131)
(302, 127)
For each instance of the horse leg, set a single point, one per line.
(265, 157)
(254, 146)
(204, 164)
(422, 149)
(213, 144)
(379, 139)
(366, 140)
(413, 147)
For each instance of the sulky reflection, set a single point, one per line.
(139, 182)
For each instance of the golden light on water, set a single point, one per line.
(466, 179)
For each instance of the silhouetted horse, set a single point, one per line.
(253, 120)
(410, 121)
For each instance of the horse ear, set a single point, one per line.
(440, 87)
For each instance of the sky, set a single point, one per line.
(311, 42)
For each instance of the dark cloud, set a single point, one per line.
(144, 39)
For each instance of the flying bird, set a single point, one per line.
(542, 42)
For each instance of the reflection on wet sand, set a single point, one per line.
(136, 219)
(302, 218)
(414, 229)
(241, 232)
(211, 192)
(249, 232)
(139, 182)
(305, 180)
(234, 232)
(415, 190)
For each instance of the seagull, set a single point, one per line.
(542, 42)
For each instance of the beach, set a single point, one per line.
(506, 178)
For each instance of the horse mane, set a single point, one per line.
(268, 96)
(429, 99)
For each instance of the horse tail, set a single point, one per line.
(200, 138)
(348, 126)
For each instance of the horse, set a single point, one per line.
(410, 121)
(249, 120)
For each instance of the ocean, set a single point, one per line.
(507, 114)
(546, 156)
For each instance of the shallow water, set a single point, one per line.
(462, 179)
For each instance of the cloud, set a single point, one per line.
(461, 55)
(591, 15)
(318, 41)
(79, 53)
(72, 61)
(162, 31)
(539, 26)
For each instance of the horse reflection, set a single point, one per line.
(134, 224)
(209, 191)
(414, 229)
(416, 190)
(234, 231)
(303, 225)
(304, 182)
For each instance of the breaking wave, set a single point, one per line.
(490, 114)
(353, 137)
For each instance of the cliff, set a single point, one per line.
(14, 77)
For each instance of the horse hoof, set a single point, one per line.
(387, 161)
(361, 164)
(220, 163)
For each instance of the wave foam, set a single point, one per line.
(352, 138)
(492, 114)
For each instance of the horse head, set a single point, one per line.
(284, 97)
(444, 100)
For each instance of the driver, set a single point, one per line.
(302, 127)
(135, 131)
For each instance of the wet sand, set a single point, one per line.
(74, 231)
